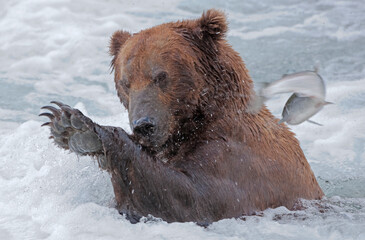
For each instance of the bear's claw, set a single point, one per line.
(70, 129)
(49, 115)
(60, 104)
(54, 110)
(46, 124)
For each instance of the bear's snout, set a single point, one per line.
(148, 117)
(144, 127)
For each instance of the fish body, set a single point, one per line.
(299, 109)
(307, 83)
(308, 96)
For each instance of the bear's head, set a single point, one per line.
(176, 77)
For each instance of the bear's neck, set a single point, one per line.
(230, 88)
(227, 124)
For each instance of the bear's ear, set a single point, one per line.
(117, 40)
(213, 23)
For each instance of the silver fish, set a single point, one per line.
(307, 83)
(300, 108)
(308, 96)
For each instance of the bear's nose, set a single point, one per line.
(144, 126)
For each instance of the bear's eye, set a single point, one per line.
(161, 79)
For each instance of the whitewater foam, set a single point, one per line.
(57, 50)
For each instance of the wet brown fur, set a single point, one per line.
(219, 161)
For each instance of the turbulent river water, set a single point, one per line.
(58, 50)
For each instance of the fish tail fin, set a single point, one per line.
(265, 84)
(261, 87)
(313, 122)
(256, 103)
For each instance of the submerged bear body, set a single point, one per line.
(195, 154)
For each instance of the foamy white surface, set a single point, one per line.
(57, 50)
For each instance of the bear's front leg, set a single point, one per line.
(72, 130)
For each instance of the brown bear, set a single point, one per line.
(195, 154)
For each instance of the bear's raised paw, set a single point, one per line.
(72, 130)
